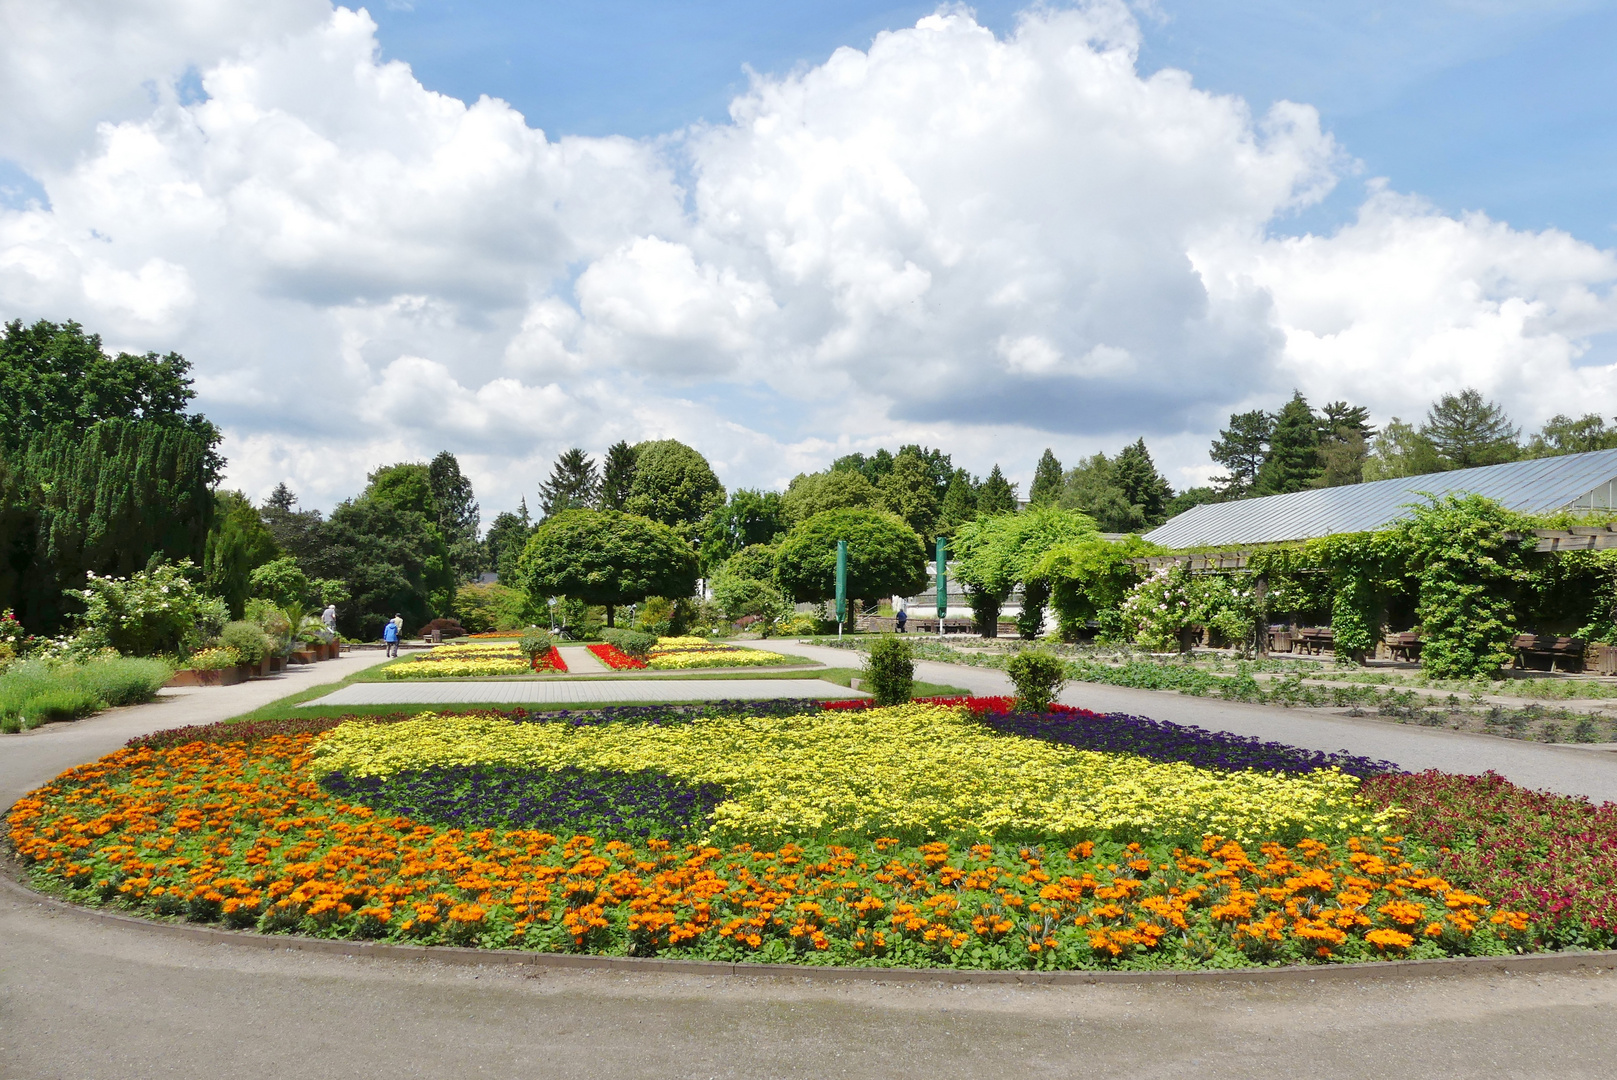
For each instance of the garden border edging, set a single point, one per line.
(1532, 963)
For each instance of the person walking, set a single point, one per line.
(328, 618)
(901, 613)
(390, 636)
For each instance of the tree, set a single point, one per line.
(617, 476)
(458, 514)
(996, 554)
(1242, 448)
(959, 503)
(1344, 440)
(1048, 482)
(1293, 459)
(750, 517)
(1089, 578)
(296, 532)
(406, 486)
(885, 556)
(606, 557)
(674, 486)
(55, 376)
(573, 484)
(390, 559)
(493, 606)
(281, 581)
(840, 489)
(1091, 487)
(1467, 431)
(755, 561)
(997, 495)
(1401, 451)
(1141, 484)
(238, 543)
(1189, 498)
(910, 491)
(1563, 435)
(507, 536)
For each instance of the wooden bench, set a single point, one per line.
(1315, 639)
(1541, 652)
(1404, 646)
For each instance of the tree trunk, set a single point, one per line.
(609, 611)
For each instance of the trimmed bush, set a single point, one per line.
(1039, 677)
(631, 642)
(246, 640)
(535, 643)
(890, 670)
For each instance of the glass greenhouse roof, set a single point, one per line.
(1574, 481)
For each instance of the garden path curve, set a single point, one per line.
(1570, 770)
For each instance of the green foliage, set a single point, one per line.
(889, 669)
(674, 486)
(482, 608)
(1189, 498)
(749, 518)
(150, 612)
(910, 491)
(993, 555)
(885, 556)
(631, 642)
(1038, 676)
(1563, 435)
(392, 561)
(104, 500)
(1467, 431)
(280, 580)
(237, 544)
(273, 623)
(1242, 448)
(1089, 579)
(755, 561)
(247, 640)
(1142, 486)
(502, 545)
(535, 643)
(573, 485)
(959, 503)
(1292, 463)
(739, 596)
(1401, 450)
(1047, 480)
(55, 377)
(840, 489)
(406, 486)
(617, 476)
(996, 495)
(458, 514)
(1161, 610)
(35, 692)
(606, 557)
(1469, 573)
(299, 533)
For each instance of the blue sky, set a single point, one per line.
(1494, 105)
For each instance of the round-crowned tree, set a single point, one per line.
(674, 485)
(885, 556)
(606, 557)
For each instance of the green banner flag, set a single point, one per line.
(943, 581)
(842, 582)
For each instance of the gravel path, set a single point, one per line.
(580, 661)
(592, 691)
(1567, 769)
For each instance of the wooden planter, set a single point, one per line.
(301, 656)
(229, 676)
(1600, 659)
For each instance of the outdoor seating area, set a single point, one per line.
(1542, 652)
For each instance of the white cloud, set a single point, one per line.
(989, 244)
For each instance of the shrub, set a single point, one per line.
(535, 643)
(124, 680)
(630, 642)
(1039, 677)
(890, 670)
(449, 628)
(246, 640)
(215, 658)
(152, 611)
(60, 705)
(37, 691)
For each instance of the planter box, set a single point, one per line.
(1601, 659)
(264, 667)
(301, 656)
(277, 663)
(229, 676)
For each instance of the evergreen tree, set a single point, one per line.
(997, 495)
(1141, 484)
(617, 476)
(1190, 498)
(1467, 431)
(458, 514)
(1564, 435)
(1092, 487)
(1292, 463)
(1242, 448)
(959, 503)
(573, 484)
(407, 486)
(1047, 480)
(296, 532)
(502, 547)
(237, 544)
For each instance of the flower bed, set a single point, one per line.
(615, 658)
(551, 661)
(475, 660)
(917, 835)
(687, 653)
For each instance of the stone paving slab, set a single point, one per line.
(580, 661)
(557, 692)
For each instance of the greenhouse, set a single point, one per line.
(1542, 486)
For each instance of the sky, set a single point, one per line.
(785, 232)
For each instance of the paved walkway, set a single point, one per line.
(1566, 769)
(580, 661)
(592, 691)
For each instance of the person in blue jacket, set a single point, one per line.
(390, 637)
